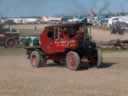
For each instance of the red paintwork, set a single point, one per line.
(66, 36)
(50, 46)
(34, 60)
(71, 60)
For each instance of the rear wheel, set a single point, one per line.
(36, 59)
(10, 43)
(73, 60)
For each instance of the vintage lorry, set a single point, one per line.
(70, 44)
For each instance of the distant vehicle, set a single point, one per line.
(74, 20)
(29, 40)
(8, 37)
(50, 19)
(113, 20)
(69, 44)
(119, 27)
(123, 19)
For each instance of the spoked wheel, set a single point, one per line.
(10, 43)
(36, 59)
(73, 60)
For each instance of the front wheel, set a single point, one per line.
(73, 60)
(36, 59)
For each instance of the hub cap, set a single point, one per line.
(34, 60)
(11, 43)
(72, 60)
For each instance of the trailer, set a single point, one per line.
(115, 44)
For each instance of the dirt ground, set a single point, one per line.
(18, 78)
(101, 35)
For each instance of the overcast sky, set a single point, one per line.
(59, 7)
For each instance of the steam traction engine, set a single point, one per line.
(8, 37)
(69, 44)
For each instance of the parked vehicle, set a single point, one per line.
(119, 28)
(8, 37)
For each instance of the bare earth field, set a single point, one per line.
(18, 78)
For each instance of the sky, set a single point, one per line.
(14, 8)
